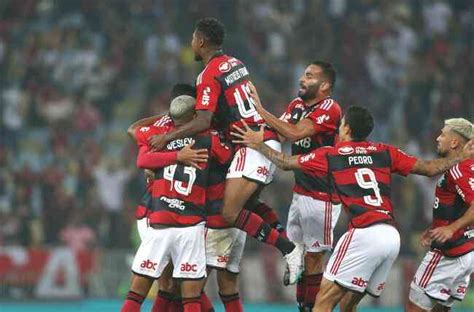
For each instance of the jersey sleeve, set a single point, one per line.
(155, 160)
(142, 134)
(326, 117)
(463, 177)
(314, 162)
(401, 163)
(208, 90)
(220, 151)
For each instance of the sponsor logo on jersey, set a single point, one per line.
(305, 142)
(316, 244)
(187, 267)
(147, 264)
(359, 281)
(381, 287)
(461, 289)
(445, 291)
(262, 170)
(173, 203)
(205, 96)
(346, 150)
(321, 119)
(224, 67)
(223, 259)
(308, 157)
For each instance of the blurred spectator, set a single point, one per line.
(77, 234)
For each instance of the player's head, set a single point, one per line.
(182, 109)
(454, 135)
(317, 80)
(356, 125)
(183, 89)
(208, 35)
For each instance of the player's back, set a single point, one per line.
(453, 195)
(222, 88)
(361, 174)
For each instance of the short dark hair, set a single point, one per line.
(328, 71)
(360, 121)
(183, 89)
(212, 29)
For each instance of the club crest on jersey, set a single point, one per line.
(346, 150)
(224, 67)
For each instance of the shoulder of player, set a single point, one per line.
(463, 169)
(329, 105)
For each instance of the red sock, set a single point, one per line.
(232, 303)
(313, 283)
(253, 225)
(206, 304)
(301, 291)
(192, 304)
(162, 301)
(176, 305)
(269, 216)
(133, 302)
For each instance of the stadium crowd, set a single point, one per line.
(75, 74)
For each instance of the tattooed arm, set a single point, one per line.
(434, 167)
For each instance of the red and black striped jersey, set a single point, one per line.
(179, 191)
(222, 88)
(361, 175)
(142, 134)
(453, 196)
(326, 116)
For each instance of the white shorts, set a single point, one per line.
(363, 258)
(441, 279)
(184, 246)
(311, 222)
(224, 248)
(250, 164)
(142, 227)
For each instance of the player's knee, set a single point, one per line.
(314, 262)
(227, 283)
(230, 215)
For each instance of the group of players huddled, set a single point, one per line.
(208, 159)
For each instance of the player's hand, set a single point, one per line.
(442, 233)
(192, 157)
(158, 141)
(254, 95)
(149, 175)
(425, 238)
(468, 150)
(247, 136)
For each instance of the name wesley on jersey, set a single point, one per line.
(179, 143)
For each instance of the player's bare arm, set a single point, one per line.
(292, 132)
(141, 123)
(444, 233)
(254, 140)
(200, 123)
(434, 167)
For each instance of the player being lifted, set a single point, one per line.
(310, 121)
(443, 275)
(222, 101)
(360, 172)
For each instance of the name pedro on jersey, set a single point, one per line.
(360, 160)
(179, 143)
